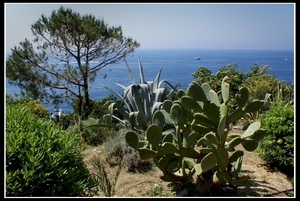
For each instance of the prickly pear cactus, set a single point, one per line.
(198, 149)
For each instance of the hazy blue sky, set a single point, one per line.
(197, 25)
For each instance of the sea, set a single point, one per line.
(178, 65)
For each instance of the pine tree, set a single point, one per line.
(80, 46)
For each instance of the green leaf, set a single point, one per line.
(154, 135)
(225, 89)
(252, 128)
(146, 154)
(158, 119)
(176, 113)
(214, 97)
(207, 163)
(132, 139)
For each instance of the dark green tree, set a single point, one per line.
(77, 46)
(204, 74)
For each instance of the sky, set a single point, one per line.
(269, 26)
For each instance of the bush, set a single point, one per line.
(92, 132)
(204, 75)
(41, 160)
(34, 106)
(67, 120)
(117, 150)
(260, 85)
(277, 146)
(100, 108)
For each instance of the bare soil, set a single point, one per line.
(263, 181)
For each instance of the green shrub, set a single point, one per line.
(41, 160)
(117, 150)
(67, 120)
(92, 131)
(106, 184)
(157, 190)
(100, 108)
(34, 106)
(204, 75)
(286, 92)
(260, 85)
(278, 144)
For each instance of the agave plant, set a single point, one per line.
(139, 101)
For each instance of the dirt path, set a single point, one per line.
(263, 181)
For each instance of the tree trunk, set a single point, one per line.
(79, 105)
(86, 104)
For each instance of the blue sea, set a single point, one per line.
(178, 66)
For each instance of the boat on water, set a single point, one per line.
(197, 58)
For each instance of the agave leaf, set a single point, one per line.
(150, 87)
(168, 83)
(158, 94)
(121, 86)
(145, 97)
(156, 80)
(134, 99)
(112, 107)
(130, 73)
(156, 106)
(123, 122)
(142, 77)
(173, 88)
(137, 117)
(113, 91)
